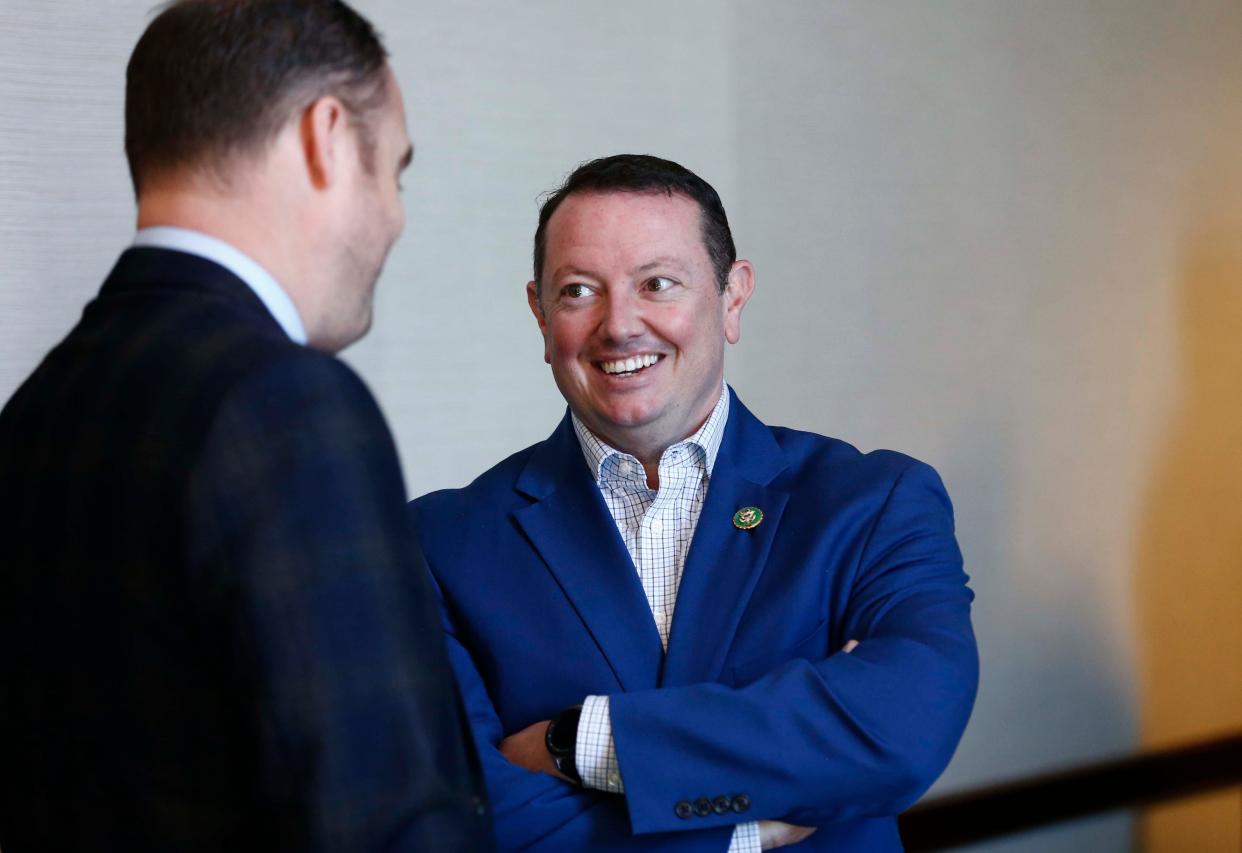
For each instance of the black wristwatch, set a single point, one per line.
(562, 741)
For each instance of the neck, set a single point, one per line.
(235, 221)
(246, 222)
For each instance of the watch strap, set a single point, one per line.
(561, 740)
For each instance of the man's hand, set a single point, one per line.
(529, 749)
(777, 833)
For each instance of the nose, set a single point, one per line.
(622, 319)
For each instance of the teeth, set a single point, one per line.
(629, 365)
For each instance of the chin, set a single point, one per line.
(364, 326)
(629, 416)
(335, 339)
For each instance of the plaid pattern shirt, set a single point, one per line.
(657, 527)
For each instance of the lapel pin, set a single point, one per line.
(747, 518)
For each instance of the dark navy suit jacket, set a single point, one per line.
(216, 631)
(753, 703)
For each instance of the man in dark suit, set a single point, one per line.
(216, 631)
(707, 633)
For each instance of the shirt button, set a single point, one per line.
(614, 779)
(657, 526)
(623, 467)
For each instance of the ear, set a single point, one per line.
(323, 133)
(736, 293)
(532, 299)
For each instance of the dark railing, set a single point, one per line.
(970, 816)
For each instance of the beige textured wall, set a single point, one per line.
(1001, 236)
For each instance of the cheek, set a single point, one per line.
(565, 340)
(561, 345)
(568, 332)
(687, 333)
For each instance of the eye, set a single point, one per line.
(659, 284)
(575, 291)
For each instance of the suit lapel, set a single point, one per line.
(569, 525)
(724, 562)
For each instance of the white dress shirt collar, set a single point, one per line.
(269, 291)
(703, 445)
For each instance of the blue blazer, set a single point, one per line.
(216, 630)
(753, 701)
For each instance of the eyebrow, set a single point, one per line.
(655, 263)
(662, 261)
(571, 270)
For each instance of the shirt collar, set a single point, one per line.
(269, 291)
(705, 442)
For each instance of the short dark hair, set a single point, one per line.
(642, 173)
(213, 79)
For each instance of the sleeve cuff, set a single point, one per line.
(746, 838)
(595, 754)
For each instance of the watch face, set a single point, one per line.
(561, 736)
(557, 735)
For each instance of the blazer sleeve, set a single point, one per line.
(848, 736)
(536, 812)
(305, 560)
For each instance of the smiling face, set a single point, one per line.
(633, 322)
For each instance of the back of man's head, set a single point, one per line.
(212, 82)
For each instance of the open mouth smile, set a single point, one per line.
(629, 366)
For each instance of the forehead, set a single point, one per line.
(625, 227)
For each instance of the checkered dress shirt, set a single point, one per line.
(656, 526)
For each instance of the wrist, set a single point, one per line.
(561, 740)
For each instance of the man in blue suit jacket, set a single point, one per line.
(653, 606)
(216, 631)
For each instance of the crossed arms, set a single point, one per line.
(813, 741)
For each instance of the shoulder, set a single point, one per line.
(830, 465)
(300, 433)
(301, 376)
(490, 494)
(291, 403)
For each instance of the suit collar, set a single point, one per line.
(274, 297)
(171, 273)
(553, 461)
(569, 525)
(725, 562)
